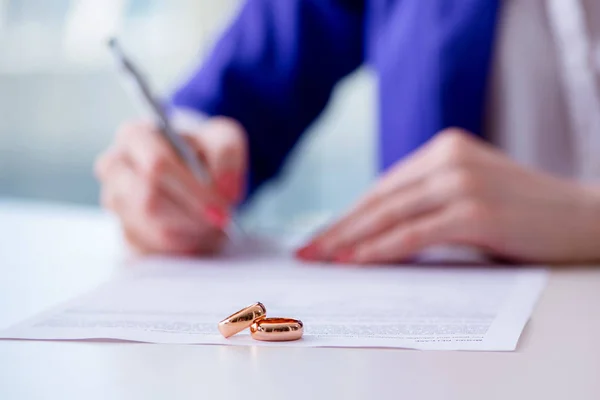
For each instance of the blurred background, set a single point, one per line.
(61, 101)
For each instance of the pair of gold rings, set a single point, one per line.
(261, 328)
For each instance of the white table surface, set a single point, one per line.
(50, 254)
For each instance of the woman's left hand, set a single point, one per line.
(457, 189)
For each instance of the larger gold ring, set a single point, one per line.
(242, 319)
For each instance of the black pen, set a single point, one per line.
(176, 141)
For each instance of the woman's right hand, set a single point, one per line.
(162, 207)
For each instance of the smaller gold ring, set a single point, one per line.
(277, 329)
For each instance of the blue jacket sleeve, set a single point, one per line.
(273, 71)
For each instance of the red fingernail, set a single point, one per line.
(217, 217)
(344, 256)
(308, 253)
(229, 185)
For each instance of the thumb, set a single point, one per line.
(221, 143)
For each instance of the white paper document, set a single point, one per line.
(163, 300)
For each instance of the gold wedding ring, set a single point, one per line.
(277, 329)
(242, 319)
(261, 328)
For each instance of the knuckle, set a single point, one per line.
(384, 217)
(134, 128)
(454, 146)
(230, 125)
(475, 212)
(149, 201)
(411, 238)
(455, 135)
(156, 166)
(464, 182)
(476, 221)
(166, 236)
(170, 238)
(230, 153)
(231, 134)
(126, 129)
(376, 196)
(366, 253)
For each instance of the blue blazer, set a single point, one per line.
(276, 65)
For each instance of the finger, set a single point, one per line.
(369, 217)
(441, 188)
(410, 172)
(151, 220)
(157, 163)
(444, 151)
(209, 244)
(152, 156)
(451, 148)
(467, 223)
(406, 204)
(143, 243)
(118, 178)
(131, 198)
(222, 144)
(165, 233)
(405, 240)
